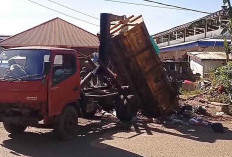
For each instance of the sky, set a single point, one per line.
(19, 15)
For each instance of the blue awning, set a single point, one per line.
(200, 43)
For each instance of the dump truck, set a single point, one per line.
(49, 87)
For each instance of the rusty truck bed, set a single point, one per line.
(138, 64)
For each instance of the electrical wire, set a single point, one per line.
(141, 4)
(177, 7)
(74, 10)
(63, 13)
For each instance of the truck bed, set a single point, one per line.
(138, 65)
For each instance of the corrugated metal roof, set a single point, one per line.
(56, 32)
(209, 55)
(186, 25)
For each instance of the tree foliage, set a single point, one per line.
(223, 76)
(227, 28)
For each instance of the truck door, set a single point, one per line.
(64, 82)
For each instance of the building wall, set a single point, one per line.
(210, 65)
(204, 67)
(174, 55)
(196, 67)
(178, 55)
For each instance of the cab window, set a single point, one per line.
(63, 67)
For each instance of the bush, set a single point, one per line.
(223, 76)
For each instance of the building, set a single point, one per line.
(3, 37)
(204, 62)
(203, 34)
(178, 52)
(55, 33)
(179, 70)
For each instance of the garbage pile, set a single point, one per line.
(189, 115)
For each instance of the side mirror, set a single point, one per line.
(47, 67)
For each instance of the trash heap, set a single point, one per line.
(195, 116)
(189, 115)
(206, 99)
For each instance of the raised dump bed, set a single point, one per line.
(138, 64)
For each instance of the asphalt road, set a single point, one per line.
(109, 138)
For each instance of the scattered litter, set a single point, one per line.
(191, 130)
(221, 89)
(219, 114)
(177, 121)
(187, 111)
(202, 100)
(193, 121)
(186, 107)
(201, 110)
(217, 127)
(188, 85)
(198, 121)
(204, 84)
(188, 114)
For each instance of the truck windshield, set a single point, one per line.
(23, 64)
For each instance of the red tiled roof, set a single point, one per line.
(56, 32)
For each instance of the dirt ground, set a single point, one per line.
(104, 136)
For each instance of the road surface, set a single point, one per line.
(109, 138)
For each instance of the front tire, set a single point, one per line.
(66, 125)
(14, 128)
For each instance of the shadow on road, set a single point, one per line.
(89, 141)
(197, 133)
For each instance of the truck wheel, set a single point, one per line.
(89, 109)
(66, 125)
(124, 109)
(14, 128)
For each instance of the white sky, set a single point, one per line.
(19, 15)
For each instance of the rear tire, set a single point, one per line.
(66, 125)
(14, 128)
(125, 109)
(89, 109)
